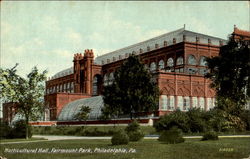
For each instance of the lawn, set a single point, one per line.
(224, 148)
(17, 140)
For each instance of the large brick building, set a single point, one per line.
(176, 60)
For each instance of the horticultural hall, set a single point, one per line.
(175, 59)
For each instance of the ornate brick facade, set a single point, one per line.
(176, 59)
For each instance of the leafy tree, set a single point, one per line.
(132, 90)
(27, 93)
(229, 73)
(8, 83)
(83, 114)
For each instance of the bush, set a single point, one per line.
(196, 120)
(135, 135)
(210, 135)
(120, 138)
(172, 136)
(175, 119)
(133, 126)
(4, 130)
(19, 130)
(245, 117)
(134, 132)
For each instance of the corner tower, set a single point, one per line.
(88, 62)
(77, 72)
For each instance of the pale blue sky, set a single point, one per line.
(47, 34)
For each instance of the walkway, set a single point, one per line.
(55, 137)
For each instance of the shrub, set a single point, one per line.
(120, 138)
(175, 119)
(245, 117)
(134, 132)
(196, 120)
(210, 135)
(19, 130)
(4, 130)
(172, 136)
(135, 135)
(133, 126)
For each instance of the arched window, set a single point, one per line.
(170, 62)
(179, 61)
(192, 60)
(164, 100)
(161, 64)
(105, 79)
(95, 86)
(111, 78)
(203, 61)
(152, 66)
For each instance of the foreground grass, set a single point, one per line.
(233, 148)
(17, 140)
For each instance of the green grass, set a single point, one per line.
(17, 140)
(226, 148)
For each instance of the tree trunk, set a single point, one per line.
(27, 127)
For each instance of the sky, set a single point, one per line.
(47, 34)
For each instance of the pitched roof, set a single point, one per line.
(159, 40)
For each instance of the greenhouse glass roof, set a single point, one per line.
(71, 109)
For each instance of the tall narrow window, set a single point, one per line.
(171, 103)
(203, 61)
(179, 61)
(186, 103)
(72, 87)
(209, 103)
(64, 87)
(201, 103)
(105, 80)
(194, 102)
(95, 86)
(111, 78)
(152, 66)
(192, 60)
(170, 62)
(164, 99)
(180, 102)
(61, 88)
(161, 64)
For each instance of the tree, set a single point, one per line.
(8, 81)
(27, 93)
(132, 91)
(229, 73)
(83, 114)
